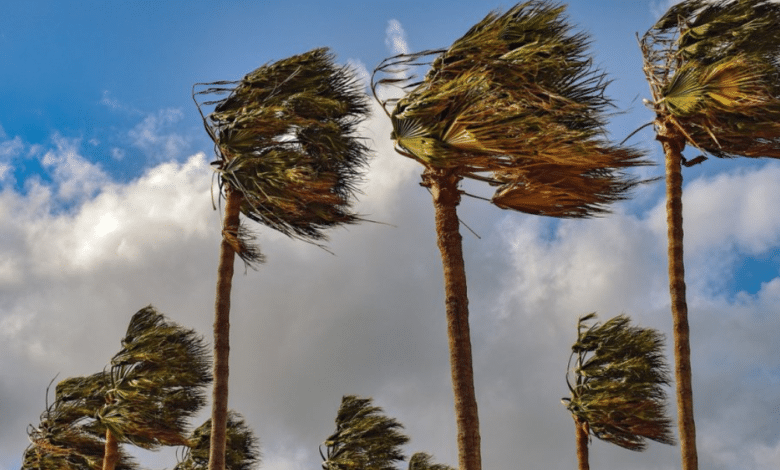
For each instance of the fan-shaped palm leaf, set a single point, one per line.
(242, 448)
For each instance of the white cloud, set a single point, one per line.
(156, 138)
(395, 38)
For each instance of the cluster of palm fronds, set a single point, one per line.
(242, 451)
(285, 140)
(515, 102)
(620, 371)
(366, 439)
(713, 69)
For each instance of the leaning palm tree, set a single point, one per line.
(618, 394)
(242, 449)
(288, 158)
(514, 103)
(715, 82)
(364, 438)
(68, 437)
(156, 384)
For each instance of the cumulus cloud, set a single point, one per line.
(309, 326)
(156, 137)
(395, 38)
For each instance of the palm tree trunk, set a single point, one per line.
(227, 254)
(581, 428)
(111, 456)
(444, 188)
(673, 143)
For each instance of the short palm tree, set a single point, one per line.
(423, 461)
(242, 450)
(157, 383)
(617, 393)
(364, 438)
(514, 103)
(288, 158)
(68, 437)
(714, 78)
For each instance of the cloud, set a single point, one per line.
(155, 136)
(395, 38)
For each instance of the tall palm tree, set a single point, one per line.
(242, 450)
(618, 394)
(714, 77)
(364, 438)
(157, 383)
(288, 158)
(514, 103)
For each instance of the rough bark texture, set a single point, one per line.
(444, 188)
(111, 457)
(227, 254)
(581, 428)
(673, 143)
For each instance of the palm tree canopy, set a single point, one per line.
(157, 382)
(364, 438)
(242, 450)
(714, 71)
(68, 436)
(514, 102)
(620, 371)
(423, 461)
(285, 139)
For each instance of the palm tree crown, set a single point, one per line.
(242, 449)
(714, 74)
(285, 140)
(620, 371)
(516, 103)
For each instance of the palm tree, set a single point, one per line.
(423, 461)
(364, 438)
(514, 103)
(713, 73)
(242, 450)
(68, 437)
(618, 394)
(156, 385)
(288, 158)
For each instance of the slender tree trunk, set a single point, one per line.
(581, 428)
(444, 188)
(673, 143)
(227, 254)
(111, 456)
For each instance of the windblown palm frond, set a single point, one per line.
(157, 382)
(285, 139)
(242, 450)
(68, 437)
(423, 461)
(620, 371)
(364, 439)
(515, 102)
(714, 71)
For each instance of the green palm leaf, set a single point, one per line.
(242, 449)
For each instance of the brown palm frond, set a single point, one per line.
(242, 449)
(714, 72)
(515, 96)
(285, 138)
(620, 371)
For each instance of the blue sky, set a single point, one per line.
(105, 207)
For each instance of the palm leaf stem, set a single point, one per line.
(673, 143)
(227, 253)
(443, 184)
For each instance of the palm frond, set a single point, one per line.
(364, 438)
(515, 96)
(713, 70)
(285, 138)
(423, 461)
(242, 450)
(620, 371)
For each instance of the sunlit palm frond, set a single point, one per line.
(620, 371)
(285, 138)
(516, 94)
(364, 438)
(714, 72)
(242, 450)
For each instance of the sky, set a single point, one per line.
(106, 207)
